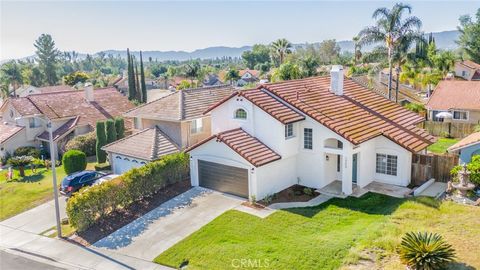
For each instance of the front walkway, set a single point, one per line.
(169, 223)
(334, 189)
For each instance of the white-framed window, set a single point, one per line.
(137, 123)
(196, 126)
(308, 138)
(34, 123)
(289, 131)
(460, 115)
(387, 164)
(240, 114)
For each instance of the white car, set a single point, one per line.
(105, 179)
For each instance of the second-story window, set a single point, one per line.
(196, 126)
(289, 131)
(308, 138)
(240, 114)
(33, 122)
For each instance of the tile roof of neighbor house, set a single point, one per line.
(149, 144)
(455, 95)
(108, 103)
(471, 139)
(381, 88)
(251, 71)
(55, 88)
(470, 64)
(8, 130)
(182, 105)
(64, 129)
(247, 146)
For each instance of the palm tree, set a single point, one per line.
(357, 49)
(12, 75)
(281, 47)
(390, 29)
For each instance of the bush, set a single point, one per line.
(120, 127)
(308, 191)
(103, 167)
(425, 251)
(110, 131)
(85, 143)
(473, 167)
(74, 161)
(101, 141)
(20, 162)
(87, 206)
(27, 151)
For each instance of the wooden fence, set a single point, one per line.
(457, 130)
(425, 167)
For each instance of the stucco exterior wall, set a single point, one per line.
(467, 153)
(404, 167)
(189, 138)
(14, 142)
(171, 128)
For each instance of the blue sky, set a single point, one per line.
(156, 25)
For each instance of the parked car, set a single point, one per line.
(75, 181)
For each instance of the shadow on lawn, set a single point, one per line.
(460, 266)
(370, 203)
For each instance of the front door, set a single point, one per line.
(354, 168)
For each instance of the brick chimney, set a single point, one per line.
(336, 80)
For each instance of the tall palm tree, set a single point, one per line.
(281, 47)
(12, 75)
(357, 49)
(390, 29)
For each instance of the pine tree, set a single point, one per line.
(120, 127)
(101, 141)
(142, 78)
(131, 82)
(48, 57)
(111, 132)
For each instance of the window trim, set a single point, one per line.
(305, 139)
(289, 131)
(235, 116)
(387, 166)
(460, 111)
(194, 127)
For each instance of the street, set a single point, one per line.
(14, 262)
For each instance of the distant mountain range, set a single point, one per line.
(444, 40)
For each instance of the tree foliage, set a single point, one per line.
(120, 127)
(279, 49)
(469, 39)
(260, 54)
(110, 131)
(142, 81)
(48, 57)
(74, 161)
(287, 71)
(75, 77)
(85, 143)
(101, 141)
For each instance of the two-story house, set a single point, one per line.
(165, 126)
(72, 113)
(467, 70)
(310, 132)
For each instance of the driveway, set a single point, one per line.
(169, 223)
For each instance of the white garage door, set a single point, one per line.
(121, 164)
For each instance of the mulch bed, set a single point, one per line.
(294, 193)
(122, 217)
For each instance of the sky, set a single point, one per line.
(89, 27)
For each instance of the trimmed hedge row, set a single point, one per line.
(92, 203)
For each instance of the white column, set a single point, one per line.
(194, 172)
(347, 170)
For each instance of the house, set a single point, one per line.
(460, 98)
(247, 76)
(312, 132)
(467, 147)
(122, 84)
(72, 113)
(168, 124)
(467, 70)
(212, 80)
(26, 90)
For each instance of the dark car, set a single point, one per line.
(75, 181)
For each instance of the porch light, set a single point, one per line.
(327, 157)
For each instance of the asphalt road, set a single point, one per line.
(14, 262)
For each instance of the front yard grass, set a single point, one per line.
(337, 234)
(19, 195)
(441, 145)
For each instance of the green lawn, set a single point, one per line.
(441, 145)
(337, 234)
(20, 194)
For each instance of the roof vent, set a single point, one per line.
(336, 80)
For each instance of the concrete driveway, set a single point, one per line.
(161, 228)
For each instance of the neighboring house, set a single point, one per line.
(467, 147)
(310, 132)
(247, 76)
(460, 98)
(26, 90)
(72, 113)
(122, 84)
(174, 120)
(212, 80)
(467, 70)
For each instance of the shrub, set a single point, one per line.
(425, 251)
(20, 162)
(110, 131)
(103, 167)
(101, 141)
(87, 206)
(308, 191)
(120, 127)
(473, 167)
(85, 143)
(27, 151)
(74, 161)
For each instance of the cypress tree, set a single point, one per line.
(110, 131)
(142, 78)
(131, 82)
(101, 141)
(120, 127)
(138, 94)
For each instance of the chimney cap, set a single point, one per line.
(88, 84)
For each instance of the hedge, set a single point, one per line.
(85, 143)
(74, 161)
(120, 127)
(86, 207)
(110, 131)
(26, 151)
(102, 167)
(101, 141)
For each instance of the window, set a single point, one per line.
(308, 138)
(240, 114)
(137, 123)
(196, 126)
(288, 131)
(33, 122)
(387, 164)
(435, 118)
(460, 115)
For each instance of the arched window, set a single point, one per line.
(240, 114)
(127, 159)
(134, 161)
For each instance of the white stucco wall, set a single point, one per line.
(275, 176)
(404, 167)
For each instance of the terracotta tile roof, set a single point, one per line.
(108, 103)
(455, 95)
(358, 115)
(254, 72)
(55, 88)
(381, 88)
(64, 129)
(8, 130)
(182, 105)
(470, 64)
(471, 139)
(247, 146)
(149, 144)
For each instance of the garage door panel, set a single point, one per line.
(223, 178)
